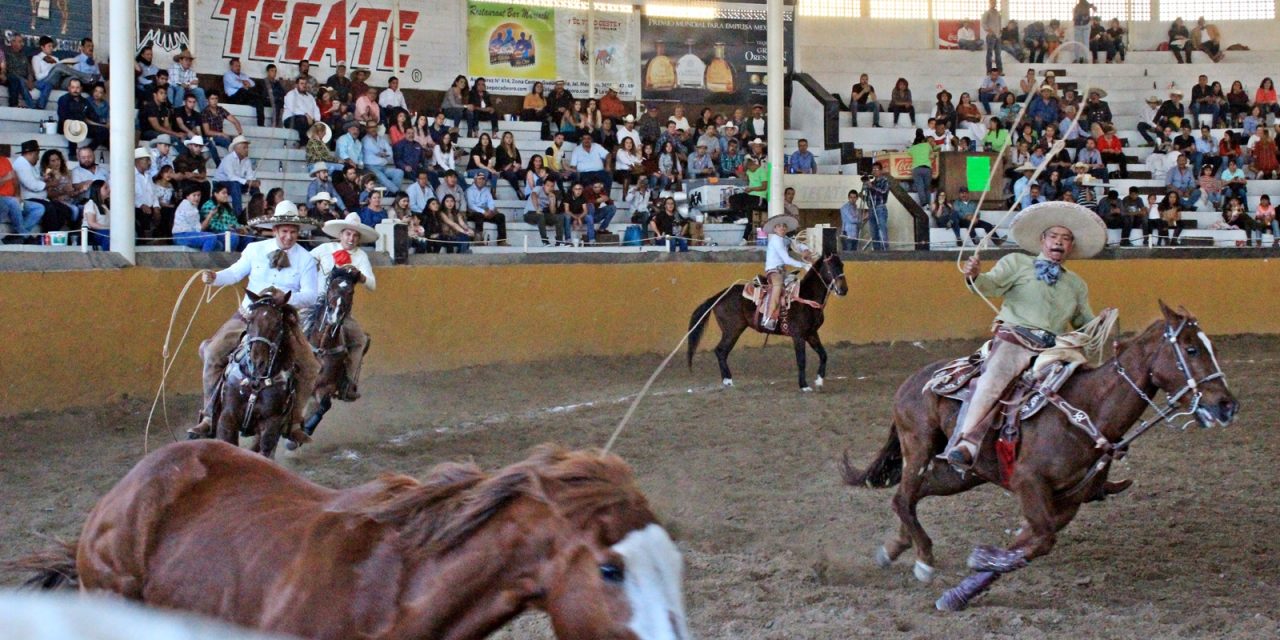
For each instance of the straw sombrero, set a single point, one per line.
(1089, 230)
(327, 132)
(789, 220)
(334, 228)
(75, 131)
(286, 213)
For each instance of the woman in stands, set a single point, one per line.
(222, 218)
(1210, 186)
(1027, 85)
(628, 166)
(1237, 103)
(534, 108)
(900, 101)
(432, 229)
(969, 118)
(944, 111)
(456, 231)
(482, 106)
(190, 229)
(274, 196)
(945, 216)
(1229, 149)
(1180, 41)
(145, 70)
(1117, 34)
(1009, 109)
(534, 175)
(670, 171)
(318, 151)
(1265, 97)
(569, 122)
(400, 208)
(455, 106)
(58, 187)
(1249, 124)
(484, 159)
(510, 165)
(664, 229)
(1053, 186)
(590, 119)
(98, 218)
(1171, 213)
(165, 192)
(331, 111)
(445, 159)
(1265, 216)
(399, 129)
(1266, 164)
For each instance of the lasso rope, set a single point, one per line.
(167, 357)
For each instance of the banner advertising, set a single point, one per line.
(513, 46)
(510, 46)
(325, 32)
(66, 21)
(163, 25)
(718, 61)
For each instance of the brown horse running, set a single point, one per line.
(206, 527)
(736, 314)
(324, 330)
(1057, 467)
(256, 395)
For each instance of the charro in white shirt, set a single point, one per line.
(777, 256)
(359, 259)
(255, 264)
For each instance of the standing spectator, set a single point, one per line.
(239, 88)
(1081, 20)
(215, 119)
(377, 156)
(802, 160)
(300, 110)
(588, 160)
(862, 98)
(900, 102)
(993, 88)
(340, 84)
(850, 222)
(921, 167)
(877, 191)
(236, 173)
(183, 80)
(991, 27)
(1180, 41)
(611, 105)
(482, 106)
(481, 208)
(18, 77)
(273, 89)
(534, 108)
(392, 100)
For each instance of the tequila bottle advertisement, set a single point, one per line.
(723, 60)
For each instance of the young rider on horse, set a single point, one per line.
(276, 262)
(347, 254)
(1042, 300)
(777, 259)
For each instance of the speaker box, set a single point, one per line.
(400, 244)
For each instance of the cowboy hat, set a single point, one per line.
(318, 167)
(140, 153)
(162, 139)
(286, 213)
(75, 131)
(1175, 92)
(784, 219)
(321, 196)
(613, 88)
(327, 132)
(1153, 100)
(757, 141)
(1102, 93)
(334, 228)
(629, 118)
(1026, 167)
(1045, 87)
(347, 124)
(30, 146)
(1090, 233)
(1080, 165)
(185, 53)
(238, 140)
(194, 140)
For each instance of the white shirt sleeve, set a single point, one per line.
(237, 271)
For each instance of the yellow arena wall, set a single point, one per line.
(80, 338)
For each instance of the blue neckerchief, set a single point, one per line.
(1048, 271)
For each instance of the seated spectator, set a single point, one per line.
(75, 106)
(862, 98)
(148, 218)
(992, 88)
(456, 106)
(359, 86)
(392, 101)
(156, 117)
(650, 125)
(340, 84)
(97, 217)
(1100, 41)
(1011, 42)
(1033, 41)
(321, 182)
(1180, 41)
(802, 160)
(214, 122)
(1097, 113)
(731, 161)
(1265, 97)
(274, 90)
(1171, 112)
(1091, 157)
(455, 233)
(406, 153)
(484, 160)
(367, 109)
(665, 229)
(628, 165)
(318, 151)
(300, 110)
(1182, 182)
(1117, 33)
(190, 229)
(944, 215)
(49, 73)
(577, 213)
(304, 73)
(534, 108)
(86, 172)
(443, 160)
(378, 158)
(900, 102)
(700, 163)
(482, 107)
(967, 38)
(144, 69)
(420, 192)
(59, 188)
(183, 81)
(1207, 149)
(239, 88)
(588, 161)
(1205, 37)
(332, 110)
(968, 118)
(190, 169)
(1111, 148)
(1235, 185)
(18, 76)
(670, 167)
(1203, 101)
(628, 130)
(350, 152)
(638, 201)
(1229, 149)
(1210, 188)
(602, 207)
(222, 218)
(188, 119)
(755, 127)
(236, 173)
(1237, 104)
(611, 106)
(534, 175)
(399, 210)
(372, 212)
(1043, 109)
(481, 208)
(996, 137)
(944, 110)
(543, 209)
(322, 207)
(1265, 216)
(348, 190)
(1148, 121)
(509, 164)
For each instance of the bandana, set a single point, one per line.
(1048, 271)
(341, 258)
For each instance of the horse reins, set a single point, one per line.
(1163, 414)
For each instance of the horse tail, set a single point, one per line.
(698, 322)
(53, 568)
(885, 471)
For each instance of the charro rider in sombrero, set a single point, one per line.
(347, 254)
(277, 262)
(1041, 301)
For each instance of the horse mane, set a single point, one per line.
(318, 307)
(456, 499)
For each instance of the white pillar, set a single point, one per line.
(121, 40)
(774, 122)
(395, 41)
(591, 48)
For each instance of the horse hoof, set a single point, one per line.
(818, 382)
(882, 558)
(806, 389)
(727, 382)
(923, 572)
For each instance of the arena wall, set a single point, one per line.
(87, 337)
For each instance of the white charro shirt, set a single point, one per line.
(359, 259)
(776, 255)
(255, 264)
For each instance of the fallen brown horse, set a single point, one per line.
(1057, 467)
(206, 527)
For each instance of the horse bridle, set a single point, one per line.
(253, 377)
(334, 315)
(828, 285)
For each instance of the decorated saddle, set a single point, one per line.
(757, 291)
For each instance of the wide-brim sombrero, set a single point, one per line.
(1088, 229)
(786, 219)
(75, 131)
(334, 228)
(286, 212)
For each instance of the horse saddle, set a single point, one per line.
(954, 380)
(757, 290)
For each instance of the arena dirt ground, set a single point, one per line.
(746, 479)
